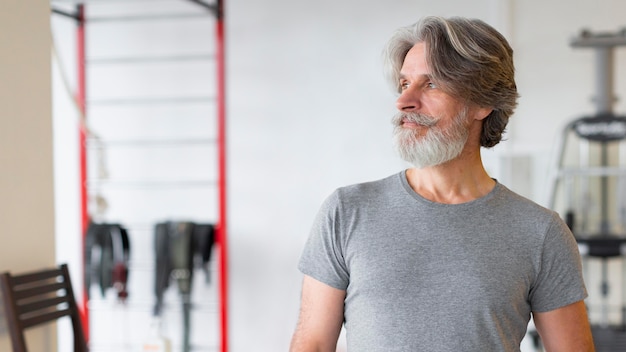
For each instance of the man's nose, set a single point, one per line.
(409, 99)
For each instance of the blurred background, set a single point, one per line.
(307, 110)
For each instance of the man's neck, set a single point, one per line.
(457, 181)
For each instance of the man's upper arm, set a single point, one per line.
(321, 317)
(565, 329)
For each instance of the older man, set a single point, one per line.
(441, 257)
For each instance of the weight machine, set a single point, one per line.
(590, 186)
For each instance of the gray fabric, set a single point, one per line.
(425, 276)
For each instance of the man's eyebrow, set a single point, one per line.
(422, 77)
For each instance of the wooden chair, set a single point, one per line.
(36, 298)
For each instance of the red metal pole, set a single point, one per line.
(81, 101)
(221, 145)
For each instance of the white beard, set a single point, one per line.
(437, 146)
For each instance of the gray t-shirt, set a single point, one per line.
(425, 276)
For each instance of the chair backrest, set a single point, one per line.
(35, 298)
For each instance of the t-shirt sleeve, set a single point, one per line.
(322, 257)
(560, 280)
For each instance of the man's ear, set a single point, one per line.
(481, 113)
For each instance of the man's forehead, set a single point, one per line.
(414, 63)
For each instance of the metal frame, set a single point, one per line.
(601, 129)
(217, 10)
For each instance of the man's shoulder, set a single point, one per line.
(518, 202)
(369, 188)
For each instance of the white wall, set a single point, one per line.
(26, 188)
(309, 111)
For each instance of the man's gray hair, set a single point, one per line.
(468, 59)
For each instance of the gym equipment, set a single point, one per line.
(107, 256)
(180, 247)
(593, 187)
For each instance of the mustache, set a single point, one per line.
(420, 119)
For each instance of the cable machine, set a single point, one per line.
(590, 183)
(89, 183)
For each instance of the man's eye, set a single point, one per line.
(431, 85)
(404, 85)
